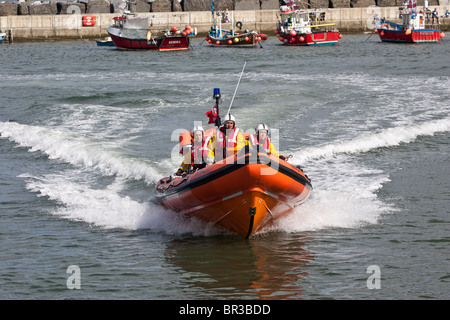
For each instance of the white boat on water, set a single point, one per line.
(2, 36)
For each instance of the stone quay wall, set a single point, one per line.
(26, 21)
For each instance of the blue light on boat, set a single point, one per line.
(216, 93)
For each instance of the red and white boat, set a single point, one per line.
(302, 27)
(130, 32)
(412, 29)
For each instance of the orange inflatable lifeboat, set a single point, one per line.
(242, 193)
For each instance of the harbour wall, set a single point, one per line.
(71, 26)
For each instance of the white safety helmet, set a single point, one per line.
(229, 117)
(198, 128)
(262, 126)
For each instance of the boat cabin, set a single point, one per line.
(413, 21)
(118, 21)
(298, 20)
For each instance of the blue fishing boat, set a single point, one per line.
(221, 37)
(107, 42)
(2, 36)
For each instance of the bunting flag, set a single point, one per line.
(212, 115)
(289, 3)
(412, 5)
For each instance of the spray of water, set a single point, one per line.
(344, 194)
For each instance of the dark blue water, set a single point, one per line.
(87, 131)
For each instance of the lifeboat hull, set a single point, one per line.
(242, 194)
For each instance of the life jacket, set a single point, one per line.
(226, 145)
(200, 153)
(253, 138)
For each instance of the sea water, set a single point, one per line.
(87, 131)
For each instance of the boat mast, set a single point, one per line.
(217, 96)
(213, 18)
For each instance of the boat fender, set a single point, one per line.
(149, 35)
(239, 25)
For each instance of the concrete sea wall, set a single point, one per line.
(25, 27)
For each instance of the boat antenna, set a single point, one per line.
(242, 72)
(217, 96)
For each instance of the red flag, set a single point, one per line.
(212, 115)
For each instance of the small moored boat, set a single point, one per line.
(412, 29)
(134, 33)
(107, 42)
(230, 38)
(2, 36)
(304, 27)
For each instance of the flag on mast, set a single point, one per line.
(212, 115)
(289, 3)
(412, 5)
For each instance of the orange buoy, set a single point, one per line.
(281, 39)
(246, 38)
(174, 28)
(382, 33)
(277, 32)
(408, 31)
(217, 42)
(230, 42)
(340, 36)
(258, 38)
(442, 35)
(206, 39)
(293, 32)
(302, 39)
